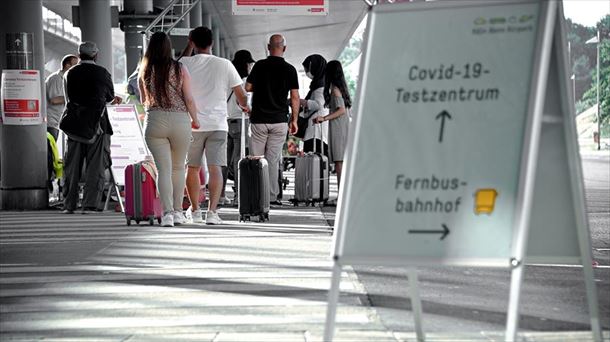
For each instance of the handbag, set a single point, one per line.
(77, 123)
(303, 123)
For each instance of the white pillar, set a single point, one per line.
(221, 48)
(216, 39)
(207, 20)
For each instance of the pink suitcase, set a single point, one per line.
(142, 202)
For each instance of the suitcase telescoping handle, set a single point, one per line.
(242, 148)
(317, 127)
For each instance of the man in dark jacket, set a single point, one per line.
(88, 87)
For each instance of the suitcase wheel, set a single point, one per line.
(151, 221)
(159, 220)
(137, 221)
(129, 222)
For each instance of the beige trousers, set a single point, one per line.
(168, 136)
(268, 140)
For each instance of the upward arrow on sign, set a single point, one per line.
(442, 116)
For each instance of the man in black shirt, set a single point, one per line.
(88, 87)
(270, 81)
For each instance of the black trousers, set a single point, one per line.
(96, 158)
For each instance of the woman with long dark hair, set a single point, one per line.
(243, 62)
(313, 106)
(165, 89)
(338, 101)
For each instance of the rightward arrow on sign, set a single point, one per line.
(444, 231)
(442, 116)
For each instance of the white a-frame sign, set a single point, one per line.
(463, 150)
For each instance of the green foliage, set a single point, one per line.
(582, 56)
(351, 51)
(348, 55)
(589, 97)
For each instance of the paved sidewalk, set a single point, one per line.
(92, 278)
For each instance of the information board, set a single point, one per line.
(436, 152)
(475, 159)
(127, 144)
(280, 7)
(21, 97)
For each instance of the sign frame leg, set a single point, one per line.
(115, 186)
(531, 146)
(416, 304)
(591, 295)
(577, 185)
(512, 320)
(333, 299)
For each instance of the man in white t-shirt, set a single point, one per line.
(56, 102)
(212, 80)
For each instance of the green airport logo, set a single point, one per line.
(503, 24)
(480, 21)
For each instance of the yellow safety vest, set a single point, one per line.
(58, 164)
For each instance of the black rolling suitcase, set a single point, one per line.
(253, 184)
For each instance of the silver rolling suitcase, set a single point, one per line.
(312, 175)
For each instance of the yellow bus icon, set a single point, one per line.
(485, 201)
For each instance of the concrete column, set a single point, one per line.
(216, 38)
(221, 48)
(196, 15)
(23, 149)
(95, 25)
(132, 28)
(206, 20)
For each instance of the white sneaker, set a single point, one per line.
(194, 216)
(167, 220)
(212, 217)
(179, 218)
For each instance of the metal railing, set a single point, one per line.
(171, 16)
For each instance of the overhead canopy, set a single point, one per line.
(305, 35)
